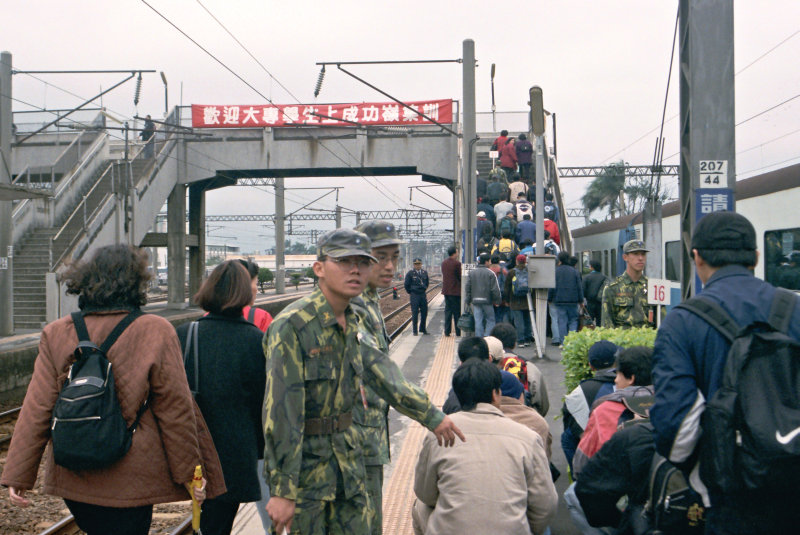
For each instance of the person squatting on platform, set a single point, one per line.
(454, 494)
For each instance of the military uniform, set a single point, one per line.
(370, 412)
(313, 455)
(625, 303)
(416, 284)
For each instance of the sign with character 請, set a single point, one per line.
(362, 114)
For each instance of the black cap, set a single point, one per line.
(602, 354)
(639, 405)
(417, 260)
(724, 230)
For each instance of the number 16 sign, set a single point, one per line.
(658, 293)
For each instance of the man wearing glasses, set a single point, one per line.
(316, 357)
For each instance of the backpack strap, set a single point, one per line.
(121, 326)
(780, 313)
(714, 315)
(191, 343)
(251, 314)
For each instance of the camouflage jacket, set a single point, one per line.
(372, 419)
(625, 303)
(313, 369)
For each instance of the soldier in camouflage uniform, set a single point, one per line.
(313, 455)
(370, 412)
(625, 299)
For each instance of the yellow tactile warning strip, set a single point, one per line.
(398, 496)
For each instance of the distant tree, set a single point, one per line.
(264, 276)
(213, 260)
(296, 280)
(607, 190)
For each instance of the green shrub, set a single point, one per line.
(575, 351)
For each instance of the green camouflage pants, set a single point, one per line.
(339, 517)
(375, 490)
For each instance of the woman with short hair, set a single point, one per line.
(228, 379)
(170, 439)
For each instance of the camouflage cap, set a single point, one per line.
(380, 233)
(633, 246)
(344, 242)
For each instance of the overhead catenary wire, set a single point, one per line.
(272, 77)
(756, 60)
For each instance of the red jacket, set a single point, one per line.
(261, 318)
(508, 156)
(500, 142)
(552, 228)
(451, 277)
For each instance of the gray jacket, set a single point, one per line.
(482, 287)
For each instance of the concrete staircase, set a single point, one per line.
(31, 263)
(32, 256)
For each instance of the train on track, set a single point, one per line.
(770, 201)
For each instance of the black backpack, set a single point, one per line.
(672, 507)
(87, 427)
(751, 425)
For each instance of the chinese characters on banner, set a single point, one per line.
(363, 114)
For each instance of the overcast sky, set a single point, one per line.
(602, 66)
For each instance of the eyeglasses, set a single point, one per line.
(349, 262)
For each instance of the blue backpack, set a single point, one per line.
(520, 283)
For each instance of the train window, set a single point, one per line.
(672, 260)
(612, 253)
(606, 265)
(782, 258)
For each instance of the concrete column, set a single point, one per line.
(338, 215)
(176, 247)
(707, 111)
(6, 245)
(197, 227)
(469, 158)
(280, 236)
(651, 229)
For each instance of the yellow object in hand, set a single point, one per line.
(197, 482)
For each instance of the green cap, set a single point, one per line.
(380, 233)
(633, 246)
(344, 242)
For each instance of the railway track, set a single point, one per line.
(67, 525)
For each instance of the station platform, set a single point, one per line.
(430, 361)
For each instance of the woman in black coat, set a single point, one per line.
(228, 381)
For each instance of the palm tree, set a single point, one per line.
(611, 190)
(607, 190)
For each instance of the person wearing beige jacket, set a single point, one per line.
(497, 481)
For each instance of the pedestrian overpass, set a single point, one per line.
(105, 191)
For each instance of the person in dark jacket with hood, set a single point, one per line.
(524, 156)
(228, 380)
(578, 403)
(565, 298)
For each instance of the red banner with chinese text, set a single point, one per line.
(363, 114)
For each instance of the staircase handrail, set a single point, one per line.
(563, 223)
(81, 163)
(80, 211)
(106, 204)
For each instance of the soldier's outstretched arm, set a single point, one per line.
(385, 377)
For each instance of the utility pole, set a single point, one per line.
(468, 155)
(707, 114)
(6, 244)
(280, 236)
(338, 216)
(536, 104)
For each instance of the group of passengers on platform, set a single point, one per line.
(326, 382)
